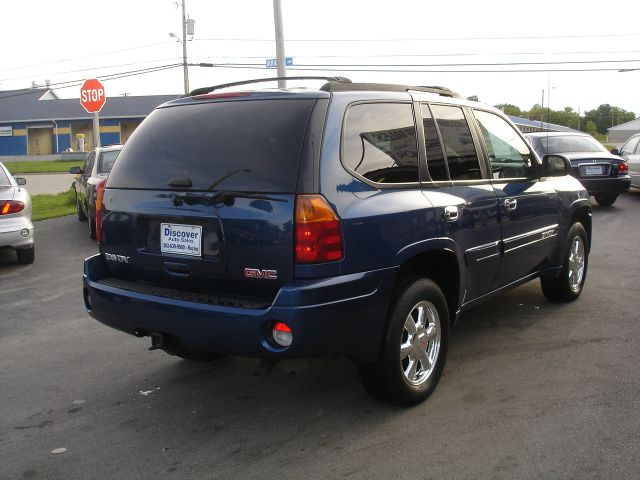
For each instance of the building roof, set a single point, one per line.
(632, 126)
(35, 105)
(536, 124)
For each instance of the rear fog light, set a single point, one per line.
(282, 334)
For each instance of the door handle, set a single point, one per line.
(451, 213)
(510, 204)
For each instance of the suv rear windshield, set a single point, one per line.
(245, 146)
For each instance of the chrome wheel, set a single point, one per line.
(420, 343)
(575, 269)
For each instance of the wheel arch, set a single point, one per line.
(582, 214)
(439, 265)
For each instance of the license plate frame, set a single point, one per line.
(590, 170)
(181, 239)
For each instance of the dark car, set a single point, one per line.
(630, 151)
(93, 174)
(602, 173)
(353, 219)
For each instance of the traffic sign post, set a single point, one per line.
(92, 99)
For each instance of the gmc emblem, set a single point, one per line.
(116, 258)
(257, 273)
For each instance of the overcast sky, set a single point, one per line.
(70, 40)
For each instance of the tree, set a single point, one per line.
(473, 98)
(590, 127)
(510, 109)
(607, 116)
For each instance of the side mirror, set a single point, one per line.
(615, 151)
(20, 180)
(75, 170)
(556, 165)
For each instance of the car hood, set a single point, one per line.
(7, 192)
(572, 156)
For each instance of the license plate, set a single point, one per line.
(593, 169)
(181, 239)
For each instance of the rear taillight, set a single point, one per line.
(318, 232)
(99, 194)
(11, 206)
(623, 168)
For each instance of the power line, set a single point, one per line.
(86, 56)
(418, 55)
(113, 76)
(393, 65)
(427, 39)
(254, 67)
(91, 69)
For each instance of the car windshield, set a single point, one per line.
(4, 180)
(568, 144)
(107, 159)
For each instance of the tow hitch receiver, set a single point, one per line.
(157, 341)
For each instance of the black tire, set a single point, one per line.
(82, 217)
(92, 228)
(569, 284)
(388, 377)
(606, 200)
(26, 255)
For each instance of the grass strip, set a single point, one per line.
(51, 206)
(53, 166)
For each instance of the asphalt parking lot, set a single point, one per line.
(531, 389)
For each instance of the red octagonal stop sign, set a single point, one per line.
(92, 96)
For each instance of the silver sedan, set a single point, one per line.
(16, 229)
(630, 151)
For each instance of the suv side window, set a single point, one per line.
(462, 158)
(435, 156)
(629, 147)
(508, 153)
(88, 166)
(379, 142)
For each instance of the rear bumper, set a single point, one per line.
(11, 233)
(606, 185)
(340, 315)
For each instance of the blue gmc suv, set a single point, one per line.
(354, 219)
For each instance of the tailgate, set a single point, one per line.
(238, 246)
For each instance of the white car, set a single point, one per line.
(630, 151)
(16, 229)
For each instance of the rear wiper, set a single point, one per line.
(218, 198)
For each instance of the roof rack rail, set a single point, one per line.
(204, 90)
(332, 86)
